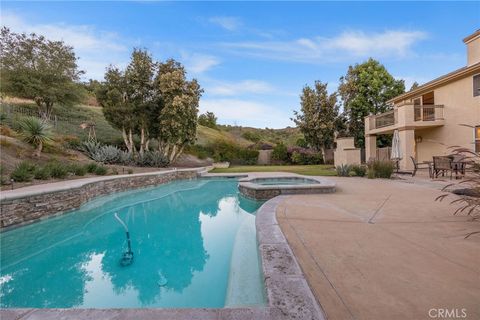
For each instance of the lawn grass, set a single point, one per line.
(308, 170)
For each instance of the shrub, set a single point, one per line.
(91, 167)
(77, 169)
(72, 142)
(298, 155)
(370, 174)
(130, 171)
(280, 152)
(359, 170)
(23, 172)
(151, 159)
(107, 154)
(252, 136)
(91, 148)
(301, 143)
(115, 171)
(247, 156)
(343, 170)
(236, 154)
(199, 151)
(35, 132)
(101, 170)
(381, 169)
(125, 158)
(57, 169)
(42, 173)
(2, 177)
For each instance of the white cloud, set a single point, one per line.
(199, 63)
(96, 49)
(228, 23)
(241, 87)
(391, 43)
(246, 112)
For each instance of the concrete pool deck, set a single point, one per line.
(384, 249)
(375, 249)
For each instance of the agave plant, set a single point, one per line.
(91, 148)
(35, 132)
(343, 170)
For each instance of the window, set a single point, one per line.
(476, 85)
(477, 139)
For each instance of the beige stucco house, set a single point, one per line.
(441, 113)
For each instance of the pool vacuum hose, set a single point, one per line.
(127, 257)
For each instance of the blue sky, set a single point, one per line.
(253, 58)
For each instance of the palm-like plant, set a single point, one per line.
(35, 132)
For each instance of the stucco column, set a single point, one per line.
(370, 147)
(407, 147)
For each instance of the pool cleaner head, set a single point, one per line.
(127, 257)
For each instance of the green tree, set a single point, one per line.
(365, 90)
(33, 67)
(36, 132)
(280, 152)
(208, 119)
(143, 96)
(414, 86)
(114, 98)
(177, 125)
(318, 116)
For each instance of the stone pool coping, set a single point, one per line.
(78, 183)
(288, 293)
(250, 189)
(31, 204)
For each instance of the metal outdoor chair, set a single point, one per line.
(417, 166)
(442, 165)
(458, 164)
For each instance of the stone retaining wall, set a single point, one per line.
(31, 208)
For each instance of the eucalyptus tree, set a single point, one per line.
(180, 98)
(36, 68)
(113, 96)
(154, 101)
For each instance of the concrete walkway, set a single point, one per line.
(379, 249)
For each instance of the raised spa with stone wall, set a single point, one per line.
(264, 188)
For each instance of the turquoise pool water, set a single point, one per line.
(193, 242)
(283, 181)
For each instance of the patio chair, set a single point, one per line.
(442, 165)
(417, 166)
(458, 164)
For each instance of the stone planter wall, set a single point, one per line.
(26, 209)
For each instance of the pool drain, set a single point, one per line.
(127, 257)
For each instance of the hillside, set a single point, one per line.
(70, 118)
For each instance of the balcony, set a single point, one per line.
(385, 119)
(428, 112)
(406, 115)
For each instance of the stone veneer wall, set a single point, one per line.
(31, 208)
(259, 194)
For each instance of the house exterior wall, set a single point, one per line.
(461, 113)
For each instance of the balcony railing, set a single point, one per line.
(420, 113)
(385, 119)
(428, 112)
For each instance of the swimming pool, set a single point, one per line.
(193, 243)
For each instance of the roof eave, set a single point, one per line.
(438, 82)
